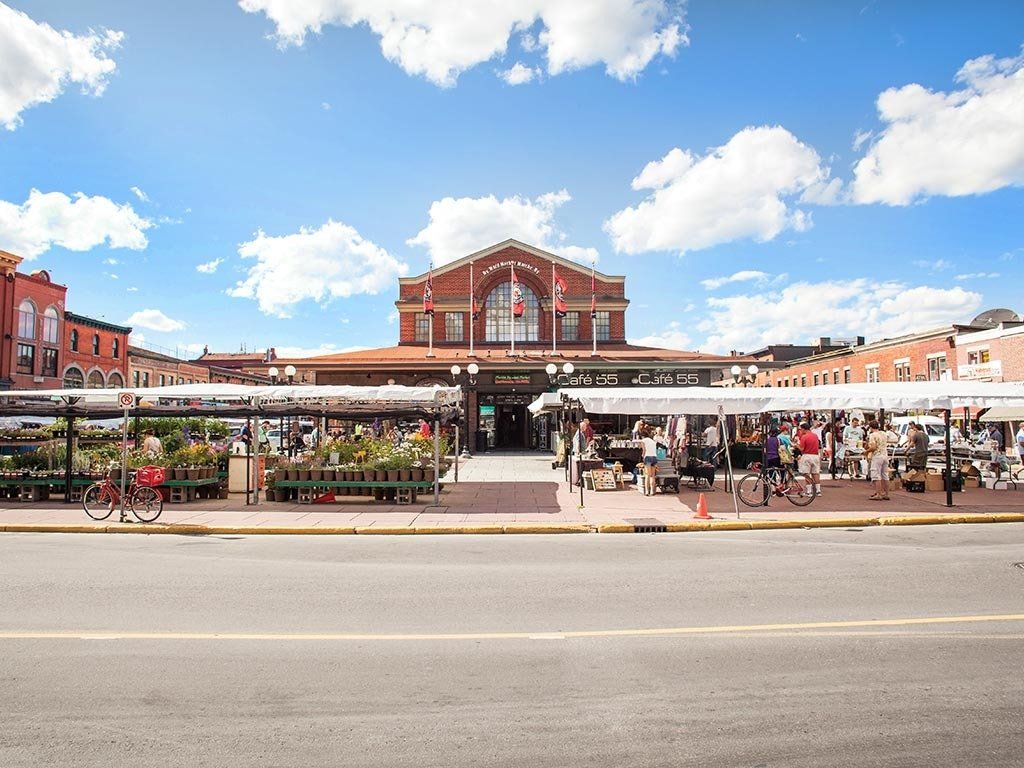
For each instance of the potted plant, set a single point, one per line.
(271, 493)
(316, 470)
(302, 470)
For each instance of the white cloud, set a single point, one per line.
(39, 62)
(321, 264)
(325, 106)
(859, 138)
(440, 39)
(78, 224)
(209, 267)
(140, 194)
(840, 308)
(938, 265)
(111, 262)
(673, 337)
(291, 353)
(736, 277)
(963, 142)
(154, 320)
(392, 317)
(132, 289)
(518, 74)
(744, 189)
(977, 275)
(464, 225)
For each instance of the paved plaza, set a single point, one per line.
(523, 489)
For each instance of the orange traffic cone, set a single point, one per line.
(702, 509)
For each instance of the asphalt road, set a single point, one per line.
(461, 651)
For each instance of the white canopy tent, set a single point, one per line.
(1001, 414)
(548, 402)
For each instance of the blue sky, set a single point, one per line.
(230, 127)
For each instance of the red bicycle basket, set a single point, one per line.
(150, 476)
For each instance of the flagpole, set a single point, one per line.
(512, 305)
(593, 313)
(554, 343)
(430, 314)
(472, 300)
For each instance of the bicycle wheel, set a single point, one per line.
(798, 491)
(98, 502)
(753, 490)
(147, 504)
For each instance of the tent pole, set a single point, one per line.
(124, 462)
(456, 452)
(437, 461)
(728, 460)
(949, 462)
(69, 449)
(248, 465)
(832, 427)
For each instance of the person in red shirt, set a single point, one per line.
(810, 459)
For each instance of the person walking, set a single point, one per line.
(1020, 441)
(853, 439)
(876, 451)
(711, 442)
(650, 451)
(917, 442)
(810, 456)
(262, 438)
(152, 446)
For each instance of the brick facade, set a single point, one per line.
(152, 369)
(996, 354)
(491, 268)
(37, 325)
(96, 351)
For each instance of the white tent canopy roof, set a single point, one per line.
(546, 403)
(1000, 414)
(892, 396)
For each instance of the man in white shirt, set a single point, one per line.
(1020, 440)
(712, 439)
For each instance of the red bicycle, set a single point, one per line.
(144, 501)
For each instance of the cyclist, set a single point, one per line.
(771, 452)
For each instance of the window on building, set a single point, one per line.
(27, 320)
(95, 380)
(135, 378)
(603, 325)
(73, 379)
(902, 371)
(145, 379)
(51, 325)
(871, 373)
(936, 368)
(498, 315)
(976, 356)
(26, 358)
(571, 326)
(816, 382)
(163, 380)
(835, 375)
(114, 381)
(181, 379)
(422, 326)
(803, 379)
(74, 339)
(453, 326)
(95, 343)
(116, 347)
(49, 363)
(846, 375)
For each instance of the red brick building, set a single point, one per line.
(507, 381)
(35, 330)
(96, 354)
(993, 354)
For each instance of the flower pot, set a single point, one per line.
(328, 475)
(192, 473)
(392, 475)
(271, 494)
(428, 475)
(416, 474)
(316, 474)
(405, 475)
(280, 474)
(115, 474)
(382, 475)
(291, 474)
(179, 473)
(222, 492)
(369, 475)
(304, 474)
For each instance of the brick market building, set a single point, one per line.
(508, 381)
(35, 330)
(96, 353)
(993, 354)
(148, 368)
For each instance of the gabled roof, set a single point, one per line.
(513, 243)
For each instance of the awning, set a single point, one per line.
(216, 399)
(548, 402)
(1001, 414)
(891, 396)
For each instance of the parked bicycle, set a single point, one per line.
(757, 489)
(141, 498)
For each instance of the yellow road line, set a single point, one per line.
(586, 633)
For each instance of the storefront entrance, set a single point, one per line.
(507, 422)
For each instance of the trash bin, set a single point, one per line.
(481, 440)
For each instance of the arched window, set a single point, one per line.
(499, 315)
(27, 320)
(114, 381)
(116, 346)
(96, 380)
(51, 325)
(95, 343)
(74, 339)
(73, 379)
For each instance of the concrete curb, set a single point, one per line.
(696, 526)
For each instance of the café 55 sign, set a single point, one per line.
(636, 378)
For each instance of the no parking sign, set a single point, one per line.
(126, 400)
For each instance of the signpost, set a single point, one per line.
(127, 401)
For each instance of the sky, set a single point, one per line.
(259, 173)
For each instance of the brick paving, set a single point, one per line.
(522, 488)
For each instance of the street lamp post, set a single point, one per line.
(470, 381)
(552, 371)
(289, 372)
(739, 379)
(274, 373)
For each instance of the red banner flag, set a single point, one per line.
(593, 294)
(518, 300)
(476, 309)
(428, 294)
(561, 308)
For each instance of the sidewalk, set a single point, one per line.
(511, 493)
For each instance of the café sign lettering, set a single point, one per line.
(512, 378)
(641, 378)
(520, 265)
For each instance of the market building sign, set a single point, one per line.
(974, 371)
(520, 378)
(521, 265)
(636, 378)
